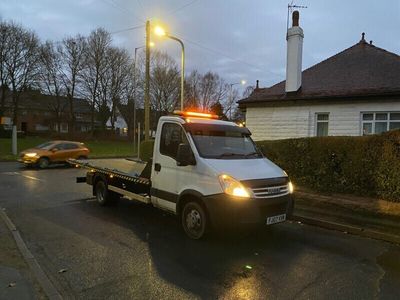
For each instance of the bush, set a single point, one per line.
(368, 165)
(146, 150)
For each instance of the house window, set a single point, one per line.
(64, 127)
(322, 124)
(378, 122)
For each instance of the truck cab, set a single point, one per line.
(206, 171)
(210, 173)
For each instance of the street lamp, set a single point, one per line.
(161, 32)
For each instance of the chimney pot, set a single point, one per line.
(370, 42)
(362, 37)
(257, 81)
(295, 18)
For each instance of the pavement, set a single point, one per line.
(16, 279)
(132, 250)
(349, 214)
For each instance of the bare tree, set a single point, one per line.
(72, 62)
(50, 79)
(95, 67)
(22, 65)
(238, 115)
(203, 91)
(230, 102)
(118, 73)
(248, 91)
(132, 96)
(192, 89)
(164, 83)
(5, 52)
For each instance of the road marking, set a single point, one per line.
(31, 177)
(18, 173)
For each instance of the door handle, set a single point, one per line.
(157, 167)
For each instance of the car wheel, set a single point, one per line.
(43, 162)
(103, 195)
(194, 220)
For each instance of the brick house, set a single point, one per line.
(42, 113)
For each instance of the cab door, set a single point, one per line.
(165, 173)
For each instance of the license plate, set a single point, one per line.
(276, 219)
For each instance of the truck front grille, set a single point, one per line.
(270, 191)
(268, 187)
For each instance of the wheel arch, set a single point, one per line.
(96, 178)
(187, 195)
(46, 157)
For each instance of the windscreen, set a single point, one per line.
(45, 146)
(223, 142)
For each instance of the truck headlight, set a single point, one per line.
(290, 187)
(233, 187)
(30, 154)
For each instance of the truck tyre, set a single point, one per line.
(194, 220)
(43, 162)
(103, 195)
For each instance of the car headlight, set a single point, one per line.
(233, 187)
(290, 187)
(30, 154)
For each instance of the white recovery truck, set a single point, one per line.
(206, 171)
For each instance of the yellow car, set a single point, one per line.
(53, 152)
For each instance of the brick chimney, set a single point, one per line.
(294, 55)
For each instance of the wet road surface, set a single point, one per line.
(133, 251)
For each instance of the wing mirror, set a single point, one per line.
(184, 156)
(54, 150)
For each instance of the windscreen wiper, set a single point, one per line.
(226, 154)
(252, 153)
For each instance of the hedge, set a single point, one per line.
(366, 166)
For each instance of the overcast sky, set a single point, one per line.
(239, 39)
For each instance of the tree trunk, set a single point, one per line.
(3, 99)
(92, 118)
(15, 99)
(71, 121)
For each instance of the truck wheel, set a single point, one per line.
(43, 162)
(194, 220)
(103, 195)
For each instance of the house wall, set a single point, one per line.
(273, 123)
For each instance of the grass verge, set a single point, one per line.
(97, 148)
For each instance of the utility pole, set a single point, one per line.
(134, 99)
(147, 85)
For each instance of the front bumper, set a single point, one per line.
(28, 160)
(225, 210)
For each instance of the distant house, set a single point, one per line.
(355, 92)
(40, 113)
(120, 126)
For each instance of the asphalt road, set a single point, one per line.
(135, 251)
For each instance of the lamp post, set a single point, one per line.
(161, 32)
(242, 82)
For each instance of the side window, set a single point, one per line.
(171, 136)
(70, 146)
(59, 146)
